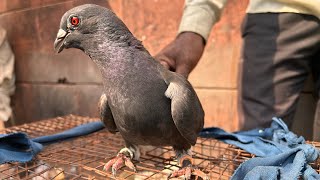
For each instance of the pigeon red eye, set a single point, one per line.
(74, 20)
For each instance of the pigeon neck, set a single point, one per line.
(110, 56)
(113, 49)
(114, 59)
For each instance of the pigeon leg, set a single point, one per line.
(123, 158)
(187, 169)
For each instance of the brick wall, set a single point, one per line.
(50, 84)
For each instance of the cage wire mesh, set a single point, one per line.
(84, 157)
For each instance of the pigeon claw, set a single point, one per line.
(118, 162)
(129, 163)
(199, 173)
(187, 172)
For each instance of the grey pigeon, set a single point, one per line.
(146, 103)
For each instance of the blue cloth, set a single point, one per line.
(282, 154)
(71, 133)
(18, 147)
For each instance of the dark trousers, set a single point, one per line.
(280, 50)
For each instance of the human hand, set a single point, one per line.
(183, 53)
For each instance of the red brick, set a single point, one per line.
(154, 22)
(14, 5)
(116, 6)
(220, 108)
(33, 102)
(31, 34)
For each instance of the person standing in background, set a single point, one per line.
(7, 78)
(281, 46)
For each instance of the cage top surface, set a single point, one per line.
(84, 157)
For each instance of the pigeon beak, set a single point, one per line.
(58, 43)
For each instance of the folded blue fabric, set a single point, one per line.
(71, 133)
(18, 147)
(282, 154)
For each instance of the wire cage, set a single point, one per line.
(84, 157)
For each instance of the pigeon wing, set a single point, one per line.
(106, 114)
(186, 109)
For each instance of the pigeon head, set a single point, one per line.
(87, 26)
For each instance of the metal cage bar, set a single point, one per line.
(84, 157)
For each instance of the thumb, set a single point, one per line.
(165, 61)
(183, 71)
(165, 64)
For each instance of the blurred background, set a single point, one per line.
(50, 85)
